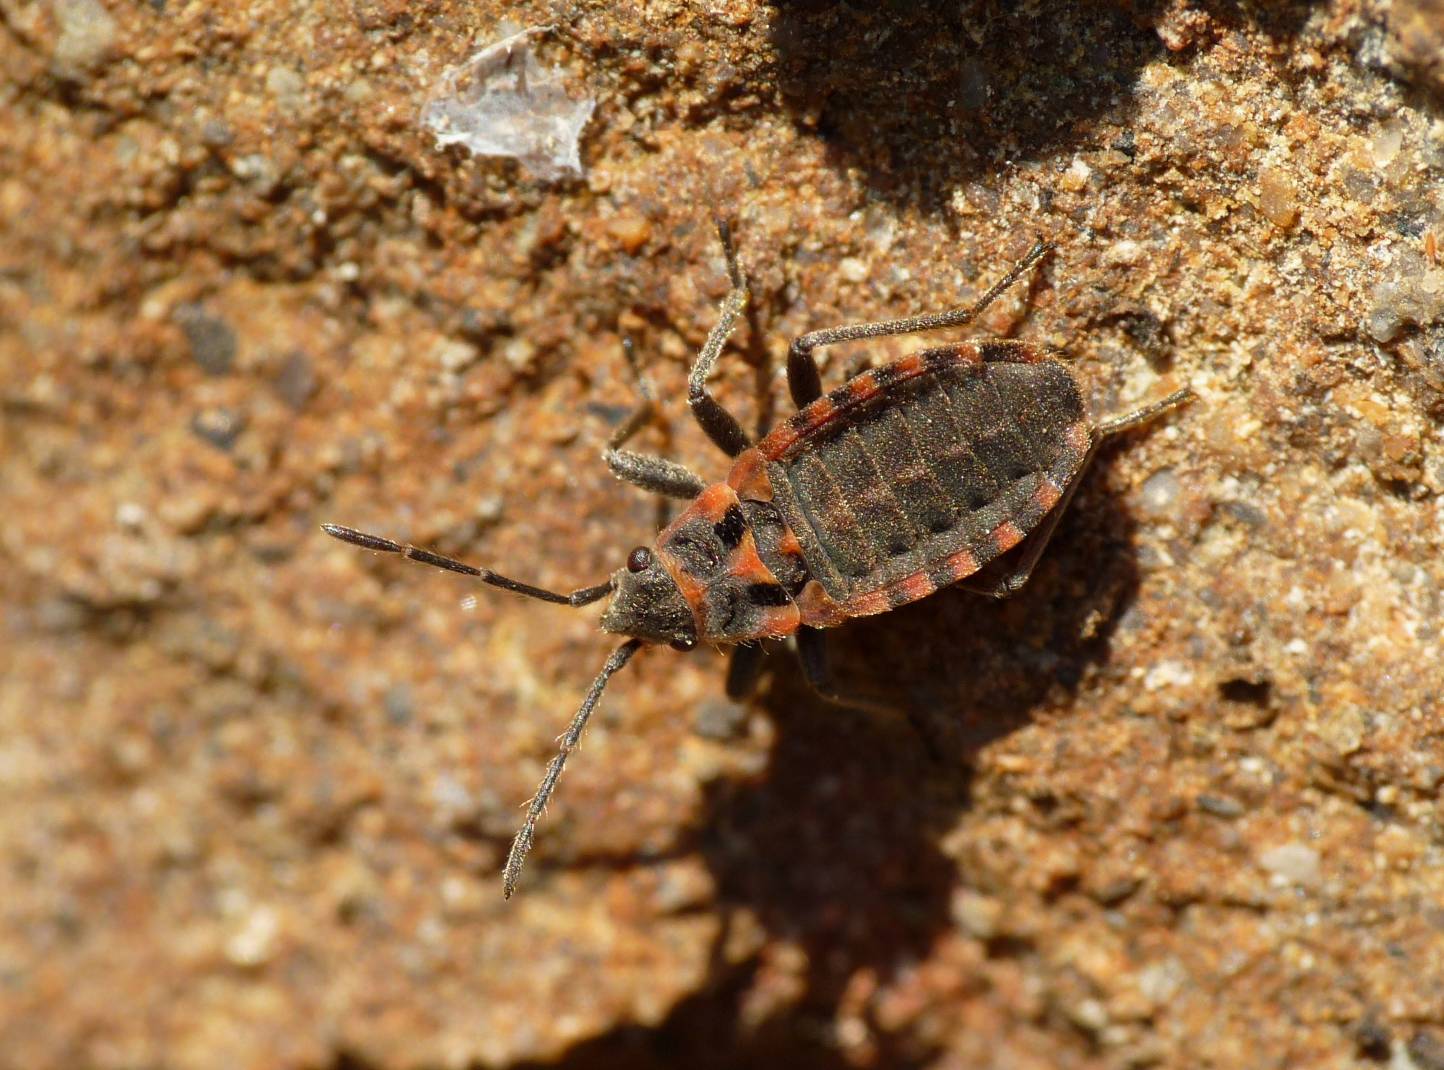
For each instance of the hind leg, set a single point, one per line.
(803, 378)
(1015, 579)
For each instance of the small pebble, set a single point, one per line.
(296, 381)
(1076, 177)
(1295, 862)
(212, 342)
(1384, 324)
(285, 85)
(1160, 982)
(1277, 199)
(215, 134)
(87, 32)
(1248, 515)
(1220, 806)
(454, 355)
(399, 704)
(1159, 495)
(219, 426)
(631, 231)
(254, 943)
(519, 353)
(978, 915)
(1090, 1014)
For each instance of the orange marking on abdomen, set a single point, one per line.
(1006, 535)
(862, 388)
(821, 412)
(779, 441)
(959, 565)
(785, 437)
(789, 543)
(817, 607)
(867, 604)
(911, 588)
(780, 621)
(1047, 494)
(1079, 437)
(909, 366)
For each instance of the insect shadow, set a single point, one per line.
(835, 847)
(920, 95)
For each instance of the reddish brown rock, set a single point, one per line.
(257, 785)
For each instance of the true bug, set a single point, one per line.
(907, 478)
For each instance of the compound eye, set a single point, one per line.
(639, 560)
(684, 644)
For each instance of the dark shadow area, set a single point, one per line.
(923, 94)
(835, 847)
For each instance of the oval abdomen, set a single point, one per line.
(915, 475)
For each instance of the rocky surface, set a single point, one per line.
(1184, 802)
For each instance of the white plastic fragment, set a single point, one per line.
(501, 102)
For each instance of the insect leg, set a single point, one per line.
(656, 474)
(1017, 577)
(721, 426)
(812, 652)
(1011, 583)
(582, 597)
(1143, 414)
(803, 378)
(524, 837)
(744, 669)
(816, 670)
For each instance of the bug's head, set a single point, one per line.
(647, 604)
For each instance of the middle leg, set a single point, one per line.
(744, 669)
(817, 671)
(656, 474)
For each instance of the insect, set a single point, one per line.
(908, 478)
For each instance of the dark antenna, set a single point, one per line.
(623, 654)
(522, 844)
(585, 596)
